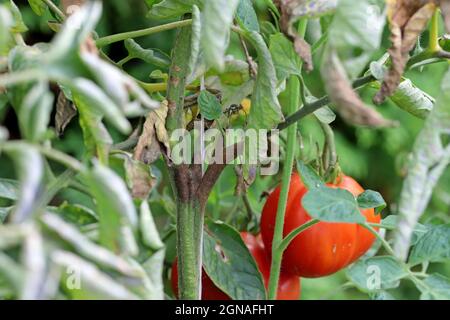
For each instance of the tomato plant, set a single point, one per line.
(325, 248)
(138, 133)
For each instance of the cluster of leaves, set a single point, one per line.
(114, 250)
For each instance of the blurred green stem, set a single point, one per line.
(53, 7)
(101, 42)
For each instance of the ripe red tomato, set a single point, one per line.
(324, 248)
(288, 286)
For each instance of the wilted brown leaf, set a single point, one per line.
(408, 19)
(139, 178)
(65, 112)
(302, 48)
(348, 103)
(153, 135)
(245, 178)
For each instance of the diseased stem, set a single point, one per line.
(294, 94)
(177, 80)
(189, 244)
(141, 33)
(185, 179)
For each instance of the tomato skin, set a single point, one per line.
(288, 284)
(288, 287)
(324, 248)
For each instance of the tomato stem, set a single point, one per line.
(433, 45)
(288, 239)
(293, 93)
(385, 244)
(189, 244)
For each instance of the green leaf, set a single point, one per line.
(332, 205)
(96, 138)
(371, 199)
(210, 106)
(381, 295)
(286, 61)
(266, 110)
(246, 16)
(19, 26)
(80, 243)
(356, 24)
(4, 212)
(35, 112)
(114, 204)
(76, 214)
(32, 102)
(6, 22)
(229, 264)
(29, 167)
(377, 273)
(147, 55)
(217, 19)
(149, 232)
(391, 221)
(129, 97)
(309, 176)
(427, 163)
(434, 246)
(74, 32)
(236, 73)
(173, 8)
(325, 115)
(411, 99)
(38, 6)
(94, 283)
(95, 99)
(9, 189)
(435, 287)
(154, 268)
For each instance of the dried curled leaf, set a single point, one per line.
(65, 112)
(148, 148)
(288, 17)
(349, 104)
(408, 18)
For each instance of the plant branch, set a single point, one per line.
(277, 253)
(53, 7)
(294, 233)
(101, 42)
(385, 244)
(426, 56)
